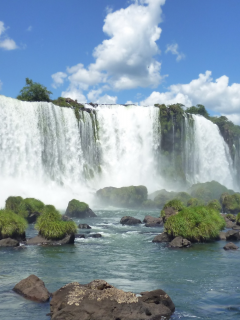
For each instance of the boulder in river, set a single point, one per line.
(100, 300)
(230, 246)
(32, 288)
(39, 240)
(222, 235)
(153, 221)
(84, 226)
(8, 242)
(162, 237)
(180, 242)
(233, 235)
(130, 220)
(79, 210)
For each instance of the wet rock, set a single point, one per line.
(162, 237)
(229, 223)
(95, 235)
(168, 212)
(233, 235)
(79, 210)
(230, 246)
(222, 235)
(65, 218)
(130, 220)
(84, 226)
(79, 235)
(8, 242)
(153, 221)
(32, 288)
(100, 300)
(38, 240)
(236, 227)
(180, 242)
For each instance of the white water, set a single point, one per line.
(45, 153)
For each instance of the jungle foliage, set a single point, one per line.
(34, 91)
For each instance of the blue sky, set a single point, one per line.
(118, 51)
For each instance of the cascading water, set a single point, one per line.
(49, 153)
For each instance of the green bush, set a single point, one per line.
(13, 203)
(11, 224)
(196, 224)
(176, 204)
(231, 217)
(75, 205)
(34, 91)
(29, 206)
(184, 197)
(194, 202)
(230, 203)
(51, 226)
(215, 204)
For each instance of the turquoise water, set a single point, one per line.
(203, 281)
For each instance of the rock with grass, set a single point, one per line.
(8, 242)
(152, 221)
(51, 226)
(78, 209)
(160, 197)
(233, 235)
(196, 224)
(215, 204)
(126, 197)
(230, 246)
(230, 203)
(32, 288)
(171, 208)
(100, 300)
(128, 220)
(84, 226)
(12, 225)
(194, 202)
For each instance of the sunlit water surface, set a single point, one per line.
(203, 281)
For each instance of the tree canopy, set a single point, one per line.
(34, 91)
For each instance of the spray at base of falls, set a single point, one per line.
(48, 153)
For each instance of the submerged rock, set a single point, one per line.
(95, 235)
(79, 210)
(153, 221)
(180, 242)
(8, 242)
(100, 300)
(84, 226)
(162, 237)
(32, 288)
(230, 246)
(130, 220)
(38, 240)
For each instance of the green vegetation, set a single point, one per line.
(199, 109)
(215, 204)
(231, 217)
(238, 218)
(230, 203)
(34, 91)
(11, 224)
(51, 226)
(13, 203)
(194, 202)
(195, 224)
(75, 205)
(184, 197)
(30, 206)
(132, 196)
(176, 204)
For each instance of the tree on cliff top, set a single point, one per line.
(34, 91)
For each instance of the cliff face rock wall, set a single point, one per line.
(89, 147)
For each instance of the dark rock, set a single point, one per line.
(230, 246)
(162, 237)
(38, 240)
(169, 211)
(84, 226)
(236, 227)
(32, 288)
(229, 223)
(222, 235)
(153, 221)
(78, 235)
(180, 242)
(130, 220)
(95, 235)
(99, 300)
(65, 218)
(79, 210)
(233, 235)
(8, 242)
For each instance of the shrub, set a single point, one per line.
(238, 218)
(29, 206)
(176, 204)
(13, 203)
(183, 196)
(34, 91)
(215, 204)
(51, 226)
(230, 203)
(231, 217)
(194, 202)
(11, 224)
(195, 224)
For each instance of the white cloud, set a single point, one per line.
(74, 94)
(127, 59)
(5, 42)
(218, 95)
(58, 79)
(94, 96)
(173, 48)
(1, 85)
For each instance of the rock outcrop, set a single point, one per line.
(79, 210)
(32, 288)
(38, 240)
(8, 242)
(153, 221)
(230, 246)
(180, 242)
(162, 237)
(128, 220)
(100, 300)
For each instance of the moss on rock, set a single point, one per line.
(230, 203)
(13, 203)
(79, 209)
(215, 204)
(11, 225)
(194, 202)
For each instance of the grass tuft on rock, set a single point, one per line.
(29, 206)
(13, 203)
(196, 224)
(51, 226)
(215, 204)
(176, 204)
(11, 224)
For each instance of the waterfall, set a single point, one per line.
(50, 153)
